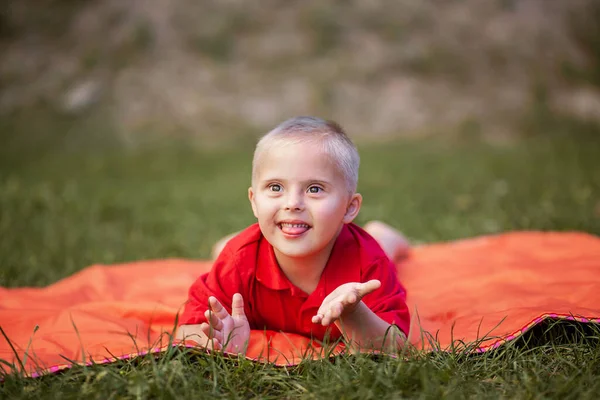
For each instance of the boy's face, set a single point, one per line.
(301, 200)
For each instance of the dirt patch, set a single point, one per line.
(380, 68)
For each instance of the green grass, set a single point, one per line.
(65, 205)
(566, 367)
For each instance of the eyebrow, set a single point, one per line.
(304, 182)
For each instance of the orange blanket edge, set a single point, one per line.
(314, 353)
(520, 278)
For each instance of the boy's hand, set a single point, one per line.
(343, 301)
(231, 331)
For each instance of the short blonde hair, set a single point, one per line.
(334, 140)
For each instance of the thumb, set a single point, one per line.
(368, 287)
(237, 306)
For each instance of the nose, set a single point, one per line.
(294, 202)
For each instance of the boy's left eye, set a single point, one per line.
(314, 189)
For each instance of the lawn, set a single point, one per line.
(65, 205)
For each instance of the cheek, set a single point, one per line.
(266, 205)
(329, 209)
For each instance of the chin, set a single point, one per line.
(293, 253)
(298, 251)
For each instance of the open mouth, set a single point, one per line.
(293, 229)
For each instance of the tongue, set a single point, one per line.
(293, 230)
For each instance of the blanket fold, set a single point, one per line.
(498, 286)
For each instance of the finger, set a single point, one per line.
(326, 306)
(343, 300)
(321, 311)
(214, 321)
(206, 339)
(207, 330)
(350, 298)
(237, 306)
(368, 287)
(316, 318)
(211, 332)
(213, 344)
(334, 312)
(328, 318)
(217, 308)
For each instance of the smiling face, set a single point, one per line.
(301, 200)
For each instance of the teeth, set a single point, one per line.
(288, 225)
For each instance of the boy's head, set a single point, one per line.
(304, 178)
(327, 135)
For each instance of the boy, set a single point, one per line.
(304, 267)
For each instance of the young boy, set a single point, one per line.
(304, 267)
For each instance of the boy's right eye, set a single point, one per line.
(275, 187)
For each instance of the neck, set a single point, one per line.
(305, 272)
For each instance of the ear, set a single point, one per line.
(252, 199)
(353, 208)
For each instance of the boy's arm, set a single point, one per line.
(361, 327)
(196, 334)
(365, 330)
(377, 320)
(192, 332)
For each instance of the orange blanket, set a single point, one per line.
(495, 285)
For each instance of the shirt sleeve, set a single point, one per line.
(389, 301)
(222, 282)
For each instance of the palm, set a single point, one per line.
(236, 331)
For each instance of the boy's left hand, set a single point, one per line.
(343, 301)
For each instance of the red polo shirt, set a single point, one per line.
(247, 265)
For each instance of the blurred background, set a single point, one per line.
(216, 69)
(127, 127)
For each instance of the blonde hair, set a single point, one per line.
(329, 134)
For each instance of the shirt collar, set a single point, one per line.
(268, 272)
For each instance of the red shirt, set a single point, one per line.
(247, 265)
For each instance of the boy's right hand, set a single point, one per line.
(224, 330)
